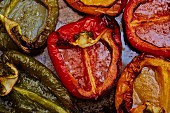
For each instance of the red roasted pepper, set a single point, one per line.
(94, 7)
(147, 25)
(87, 55)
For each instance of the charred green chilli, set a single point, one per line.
(27, 23)
(13, 60)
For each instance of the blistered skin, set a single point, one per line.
(73, 60)
(148, 26)
(155, 33)
(100, 59)
(156, 30)
(152, 9)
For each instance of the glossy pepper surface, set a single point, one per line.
(39, 71)
(144, 82)
(87, 55)
(147, 26)
(97, 7)
(27, 24)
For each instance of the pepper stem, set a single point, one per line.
(84, 39)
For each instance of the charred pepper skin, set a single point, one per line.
(6, 43)
(39, 71)
(64, 36)
(24, 44)
(51, 106)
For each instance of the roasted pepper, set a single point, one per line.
(147, 26)
(27, 23)
(97, 7)
(24, 100)
(86, 55)
(146, 79)
(35, 69)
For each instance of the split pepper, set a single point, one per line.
(11, 64)
(86, 55)
(144, 85)
(147, 26)
(27, 24)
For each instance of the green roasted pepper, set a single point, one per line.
(23, 99)
(36, 70)
(27, 24)
(54, 107)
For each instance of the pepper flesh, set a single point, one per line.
(15, 32)
(39, 71)
(79, 72)
(147, 26)
(125, 91)
(112, 10)
(104, 3)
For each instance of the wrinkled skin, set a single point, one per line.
(29, 38)
(144, 79)
(147, 26)
(38, 71)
